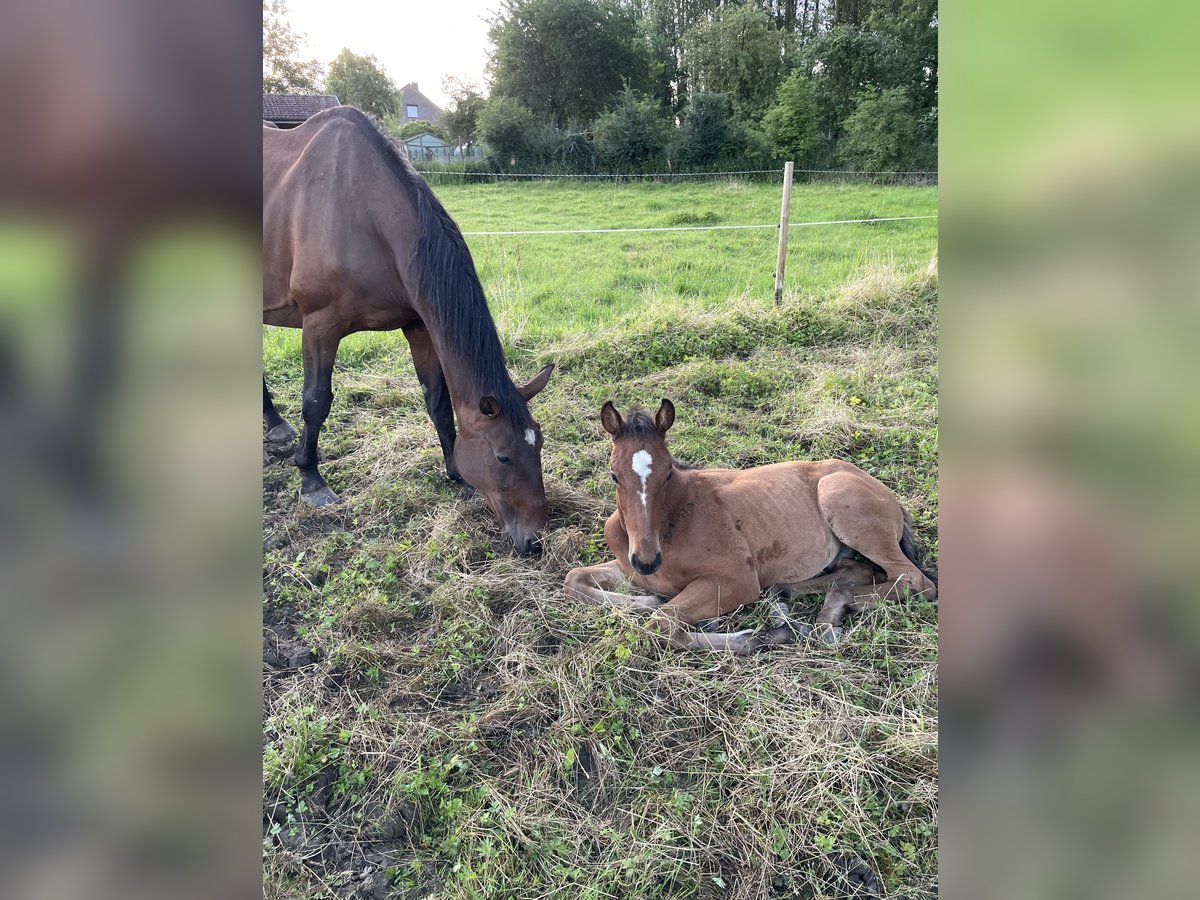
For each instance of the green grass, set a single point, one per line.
(466, 731)
(544, 287)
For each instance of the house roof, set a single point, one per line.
(295, 107)
(429, 110)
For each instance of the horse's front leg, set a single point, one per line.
(278, 430)
(595, 585)
(435, 392)
(319, 348)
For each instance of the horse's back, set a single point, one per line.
(336, 223)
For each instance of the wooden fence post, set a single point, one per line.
(784, 215)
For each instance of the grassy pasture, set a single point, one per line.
(441, 722)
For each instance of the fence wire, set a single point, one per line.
(698, 227)
(621, 176)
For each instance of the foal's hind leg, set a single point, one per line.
(437, 395)
(867, 517)
(278, 430)
(843, 599)
(783, 629)
(319, 348)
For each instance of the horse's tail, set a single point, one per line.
(908, 547)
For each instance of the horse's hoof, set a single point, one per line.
(322, 496)
(280, 433)
(827, 634)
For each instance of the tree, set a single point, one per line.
(565, 60)
(505, 126)
(283, 72)
(845, 61)
(791, 124)
(738, 53)
(881, 133)
(663, 24)
(461, 119)
(632, 137)
(361, 81)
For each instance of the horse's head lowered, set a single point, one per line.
(499, 453)
(641, 467)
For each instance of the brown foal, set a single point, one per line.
(702, 542)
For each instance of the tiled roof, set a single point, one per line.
(295, 107)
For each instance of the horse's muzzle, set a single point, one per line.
(530, 546)
(646, 568)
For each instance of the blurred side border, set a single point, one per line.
(130, 213)
(1068, 634)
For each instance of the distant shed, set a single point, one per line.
(426, 145)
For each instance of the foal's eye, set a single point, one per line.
(503, 460)
(614, 477)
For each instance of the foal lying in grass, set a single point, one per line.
(711, 540)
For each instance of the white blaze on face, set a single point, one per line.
(641, 467)
(530, 437)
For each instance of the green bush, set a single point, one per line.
(881, 133)
(507, 128)
(633, 136)
(577, 153)
(711, 138)
(405, 130)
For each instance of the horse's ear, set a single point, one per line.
(665, 417)
(536, 383)
(489, 407)
(611, 419)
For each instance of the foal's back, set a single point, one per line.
(783, 519)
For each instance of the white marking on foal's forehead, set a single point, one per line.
(530, 437)
(641, 466)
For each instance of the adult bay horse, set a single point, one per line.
(354, 240)
(712, 540)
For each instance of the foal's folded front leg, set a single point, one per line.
(594, 584)
(706, 598)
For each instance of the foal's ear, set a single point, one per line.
(489, 407)
(665, 417)
(611, 419)
(536, 383)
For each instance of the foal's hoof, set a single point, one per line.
(280, 433)
(322, 496)
(743, 643)
(781, 634)
(827, 634)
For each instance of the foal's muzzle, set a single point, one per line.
(646, 568)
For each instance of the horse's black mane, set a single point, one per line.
(450, 285)
(640, 424)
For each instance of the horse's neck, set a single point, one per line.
(679, 491)
(465, 381)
